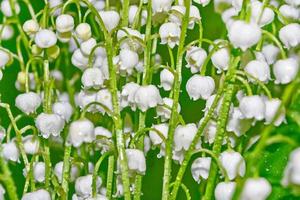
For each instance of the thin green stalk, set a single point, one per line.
(125, 7)
(110, 176)
(95, 172)
(221, 128)
(66, 170)
(176, 92)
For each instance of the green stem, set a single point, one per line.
(110, 176)
(124, 22)
(95, 172)
(66, 171)
(176, 92)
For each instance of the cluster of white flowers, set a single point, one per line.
(92, 85)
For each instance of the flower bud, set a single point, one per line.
(39, 172)
(244, 35)
(270, 53)
(10, 151)
(195, 57)
(200, 87)
(58, 171)
(83, 185)
(49, 124)
(5, 58)
(38, 194)
(147, 97)
(92, 78)
(261, 15)
(31, 144)
(256, 189)
(200, 168)
(290, 35)
(285, 70)
(258, 69)
(289, 12)
(154, 137)
(45, 38)
(169, 34)
(136, 160)
(166, 79)
(63, 109)
(253, 107)
(233, 163)
(225, 190)
(81, 131)
(28, 102)
(7, 32)
(83, 31)
(110, 19)
(7, 10)
(272, 107)
(79, 60)
(221, 59)
(183, 136)
(64, 23)
(87, 46)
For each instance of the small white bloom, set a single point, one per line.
(200, 87)
(194, 16)
(136, 160)
(127, 95)
(253, 107)
(261, 16)
(270, 53)
(2, 133)
(202, 2)
(83, 31)
(31, 144)
(165, 113)
(221, 59)
(285, 70)
(2, 192)
(7, 32)
(166, 79)
(127, 61)
(101, 131)
(5, 58)
(45, 38)
(228, 16)
(290, 35)
(258, 69)
(159, 6)
(225, 190)
(154, 137)
(244, 35)
(183, 136)
(83, 185)
(147, 97)
(39, 172)
(64, 23)
(233, 163)
(129, 43)
(28, 102)
(110, 19)
(37, 195)
(292, 170)
(63, 109)
(272, 107)
(293, 2)
(169, 34)
(195, 57)
(49, 124)
(87, 46)
(10, 151)
(289, 12)
(176, 14)
(58, 171)
(104, 97)
(256, 189)
(7, 10)
(200, 168)
(237, 124)
(92, 78)
(79, 60)
(81, 131)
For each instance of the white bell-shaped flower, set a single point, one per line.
(45, 38)
(194, 16)
(253, 107)
(258, 69)
(200, 168)
(176, 13)
(10, 151)
(92, 78)
(2, 192)
(7, 10)
(202, 2)
(195, 57)
(261, 16)
(270, 53)
(81, 131)
(110, 19)
(127, 61)
(83, 185)
(124, 34)
(84, 98)
(221, 59)
(64, 109)
(228, 16)
(49, 124)
(237, 124)
(200, 87)
(87, 46)
(183, 136)
(244, 35)
(285, 70)
(290, 35)
(28, 102)
(169, 34)
(83, 31)
(2, 133)
(293, 2)
(256, 189)
(104, 97)
(147, 97)
(210, 131)
(233, 163)
(136, 160)
(166, 79)
(159, 6)
(7, 32)
(5, 58)
(79, 60)
(155, 137)
(39, 172)
(225, 190)
(58, 171)
(289, 12)
(31, 144)
(127, 95)
(291, 173)
(64, 23)
(272, 107)
(165, 113)
(37, 195)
